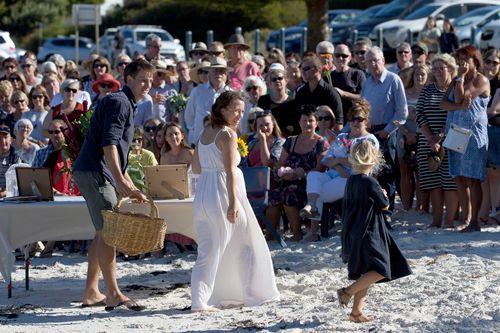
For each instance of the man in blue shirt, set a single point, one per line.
(385, 93)
(100, 172)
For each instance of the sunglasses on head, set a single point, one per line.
(150, 128)
(492, 62)
(280, 78)
(326, 118)
(74, 91)
(251, 88)
(260, 114)
(343, 56)
(56, 131)
(357, 119)
(123, 63)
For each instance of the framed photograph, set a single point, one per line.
(35, 182)
(167, 181)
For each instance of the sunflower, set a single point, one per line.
(242, 147)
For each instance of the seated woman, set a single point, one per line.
(138, 158)
(329, 186)
(25, 149)
(176, 151)
(150, 126)
(301, 154)
(265, 150)
(326, 123)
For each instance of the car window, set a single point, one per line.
(83, 43)
(473, 6)
(471, 17)
(393, 9)
(127, 34)
(452, 11)
(366, 14)
(341, 18)
(60, 42)
(422, 12)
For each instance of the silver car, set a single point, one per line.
(65, 46)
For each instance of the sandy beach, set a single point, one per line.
(455, 287)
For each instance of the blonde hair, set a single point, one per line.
(365, 158)
(448, 60)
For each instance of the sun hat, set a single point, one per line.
(217, 62)
(421, 46)
(236, 39)
(193, 72)
(106, 78)
(199, 47)
(276, 67)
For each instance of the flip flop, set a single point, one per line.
(129, 304)
(98, 303)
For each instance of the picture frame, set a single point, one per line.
(167, 181)
(35, 182)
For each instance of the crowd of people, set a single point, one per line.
(302, 114)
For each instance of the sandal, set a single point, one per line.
(308, 211)
(344, 297)
(359, 318)
(471, 228)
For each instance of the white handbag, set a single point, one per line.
(457, 138)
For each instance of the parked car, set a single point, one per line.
(396, 31)
(105, 43)
(476, 18)
(7, 46)
(394, 9)
(135, 35)
(293, 35)
(342, 32)
(490, 37)
(65, 46)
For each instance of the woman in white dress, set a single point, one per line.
(234, 264)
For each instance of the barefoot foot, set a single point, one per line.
(359, 318)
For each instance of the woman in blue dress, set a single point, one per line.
(466, 100)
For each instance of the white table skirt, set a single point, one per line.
(67, 218)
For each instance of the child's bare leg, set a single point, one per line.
(359, 289)
(357, 314)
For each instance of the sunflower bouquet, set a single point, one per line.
(242, 147)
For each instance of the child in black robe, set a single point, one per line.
(367, 247)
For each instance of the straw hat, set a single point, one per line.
(200, 47)
(217, 62)
(193, 72)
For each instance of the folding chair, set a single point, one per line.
(257, 181)
(328, 215)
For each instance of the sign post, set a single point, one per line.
(86, 15)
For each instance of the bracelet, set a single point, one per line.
(459, 79)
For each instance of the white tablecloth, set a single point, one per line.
(68, 218)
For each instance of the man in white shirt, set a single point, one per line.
(203, 97)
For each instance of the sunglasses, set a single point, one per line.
(357, 119)
(403, 52)
(200, 53)
(260, 114)
(326, 118)
(26, 65)
(154, 46)
(280, 78)
(361, 52)
(150, 128)
(251, 88)
(202, 72)
(74, 91)
(99, 66)
(418, 51)
(306, 68)
(492, 62)
(56, 131)
(216, 53)
(106, 85)
(15, 78)
(123, 63)
(343, 56)
(37, 97)
(19, 101)
(9, 67)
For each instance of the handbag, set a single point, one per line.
(457, 138)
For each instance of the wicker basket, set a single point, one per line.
(134, 233)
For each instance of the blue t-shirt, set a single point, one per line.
(111, 124)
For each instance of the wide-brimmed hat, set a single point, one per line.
(421, 46)
(193, 72)
(160, 65)
(108, 79)
(236, 39)
(217, 62)
(200, 47)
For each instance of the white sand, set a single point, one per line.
(455, 288)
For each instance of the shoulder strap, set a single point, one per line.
(224, 129)
(294, 139)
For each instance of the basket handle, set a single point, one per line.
(154, 212)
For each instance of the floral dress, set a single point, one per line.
(293, 193)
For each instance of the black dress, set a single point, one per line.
(366, 243)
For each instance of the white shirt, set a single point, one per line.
(198, 107)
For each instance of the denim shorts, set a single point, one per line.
(98, 193)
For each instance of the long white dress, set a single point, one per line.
(234, 265)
